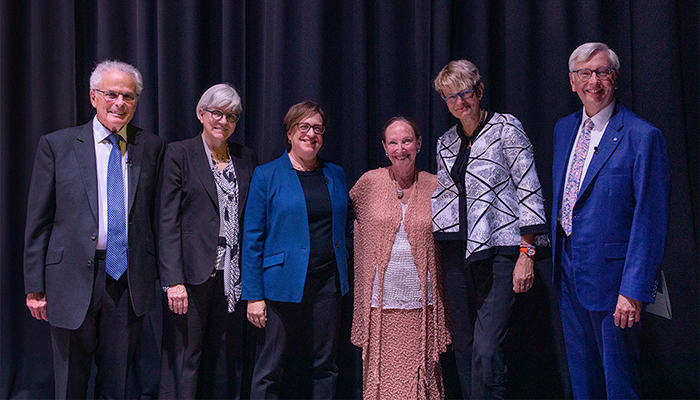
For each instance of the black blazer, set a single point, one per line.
(189, 221)
(62, 222)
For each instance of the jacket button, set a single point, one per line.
(93, 236)
(337, 245)
(89, 263)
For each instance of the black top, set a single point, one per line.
(458, 174)
(320, 210)
(459, 169)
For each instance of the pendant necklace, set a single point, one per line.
(399, 190)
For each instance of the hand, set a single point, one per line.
(177, 298)
(627, 312)
(523, 273)
(36, 302)
(257, 313)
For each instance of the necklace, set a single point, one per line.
(482, 118)
(297, 165)
(219, 159)
(399, 189)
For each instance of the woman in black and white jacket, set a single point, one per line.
(488, 214)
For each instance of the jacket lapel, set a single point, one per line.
(608, 143)
(200, 163)
(134, 161)
(84, 148)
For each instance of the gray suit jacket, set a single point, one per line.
(62, 222)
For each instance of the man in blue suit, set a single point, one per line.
(609, 221)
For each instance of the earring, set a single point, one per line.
(386, 154)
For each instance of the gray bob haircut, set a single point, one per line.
(457, 74)
(96, 76)
(221, 95)
(588, 50)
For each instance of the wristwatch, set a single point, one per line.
(528, 249)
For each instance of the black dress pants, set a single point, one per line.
(296, 349)
(480, 297)
(202, 354)
(108, 334)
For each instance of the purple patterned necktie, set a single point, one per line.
(572, 185)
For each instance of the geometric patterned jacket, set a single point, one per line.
(503, 193)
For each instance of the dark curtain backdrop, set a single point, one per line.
(363, 61)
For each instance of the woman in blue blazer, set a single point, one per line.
(295, 262)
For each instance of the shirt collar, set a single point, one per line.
(603, 116)
(101, 133)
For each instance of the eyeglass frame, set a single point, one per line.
(110, 93)
(610, 72)
(310, 128)
(465, 95)
(221, 114)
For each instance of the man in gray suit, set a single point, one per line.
(89, 257)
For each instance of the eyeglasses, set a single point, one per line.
(585, 74)
(465, 94)
(304, 127)
(231, 117)
(113, 96)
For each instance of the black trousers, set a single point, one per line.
(297, 348)
(202, 354)
(480, 298)
(108, 334)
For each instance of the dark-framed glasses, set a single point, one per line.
(465, 94)
(304, 127)
(602, 73)
(113, 96)
(230, 117)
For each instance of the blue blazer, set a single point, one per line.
(620, 218)
(276, 243)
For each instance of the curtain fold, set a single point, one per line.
(364, 62)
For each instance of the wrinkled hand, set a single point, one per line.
(177, 298)
(523, 273)
(257, 313)
(627, 312)
(36, 302)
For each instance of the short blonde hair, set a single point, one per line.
(457, 74)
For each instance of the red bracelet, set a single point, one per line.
(528, 249)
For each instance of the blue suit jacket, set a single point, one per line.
(620, 218)
(276, 243)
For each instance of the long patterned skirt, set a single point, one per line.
(399, 363)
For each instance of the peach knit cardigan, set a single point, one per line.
(378, 217)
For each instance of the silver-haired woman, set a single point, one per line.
(203, 192)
